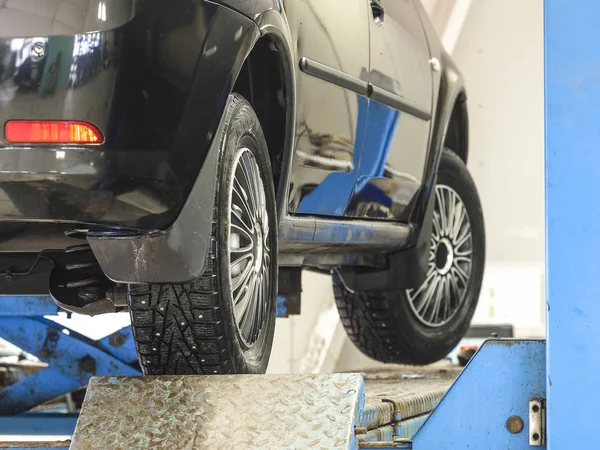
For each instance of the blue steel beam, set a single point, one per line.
(38, 424)
(72, 357)
(27, 306)
(36, 389)
(497, 383)
(572, 109)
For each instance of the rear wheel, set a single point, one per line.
(423, 325)
(224, 321)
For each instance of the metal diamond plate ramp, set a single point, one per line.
(224, 412)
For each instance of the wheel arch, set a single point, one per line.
(267, 80)
(457, 130)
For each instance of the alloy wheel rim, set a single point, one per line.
(444, 290)
(249, 247)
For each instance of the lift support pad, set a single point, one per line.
(256, 411)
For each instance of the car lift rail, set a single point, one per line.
(515, 394)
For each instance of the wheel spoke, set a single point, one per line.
(451, 207)
(464, 237)
(244, 166)
(429, 294)
(247, 249)
(260, 301)
(455, 290)
(237, 217)
(243, 257)
(462, 259)
(438, 299)
(243, 196)
(447, 297)
(460, 274)
(243, 309)
(442, 207)
(430, 276)
(459, 219)
(241, 279)
(463, 253)
(240, 230)
(436, 232)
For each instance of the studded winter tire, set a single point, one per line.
(224, 321)
(423, 325)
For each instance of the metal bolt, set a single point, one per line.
(157, 334)
(193, 347)
(143, 302)
(87, 364)
(535, 436)
(182, 324)
(535, 408)
(162, 308)
(200, 316)
(514, 424)
(117, 339)
(153, 349)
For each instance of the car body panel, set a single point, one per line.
(330, 118)
(397, 132)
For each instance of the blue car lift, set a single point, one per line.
(515, 394)
(72, 360)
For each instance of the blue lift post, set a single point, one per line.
(572, 34)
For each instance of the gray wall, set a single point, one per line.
(500, 52)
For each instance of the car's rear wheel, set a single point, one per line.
(423, 325)
(224, 321)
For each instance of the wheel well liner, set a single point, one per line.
(457, 134)
(262, 82)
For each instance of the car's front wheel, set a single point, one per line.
(422, 325)
(224, 321)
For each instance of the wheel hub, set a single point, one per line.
(258, 249)
(443, 292)
(444, 256)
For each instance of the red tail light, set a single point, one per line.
(51, 132)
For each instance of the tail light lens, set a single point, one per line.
(51, 132)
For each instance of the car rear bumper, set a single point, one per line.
(86, 186)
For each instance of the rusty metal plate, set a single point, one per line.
(403, 392)
(221, 412)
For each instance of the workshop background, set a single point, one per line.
(498, 44)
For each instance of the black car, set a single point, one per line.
(181, 159)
